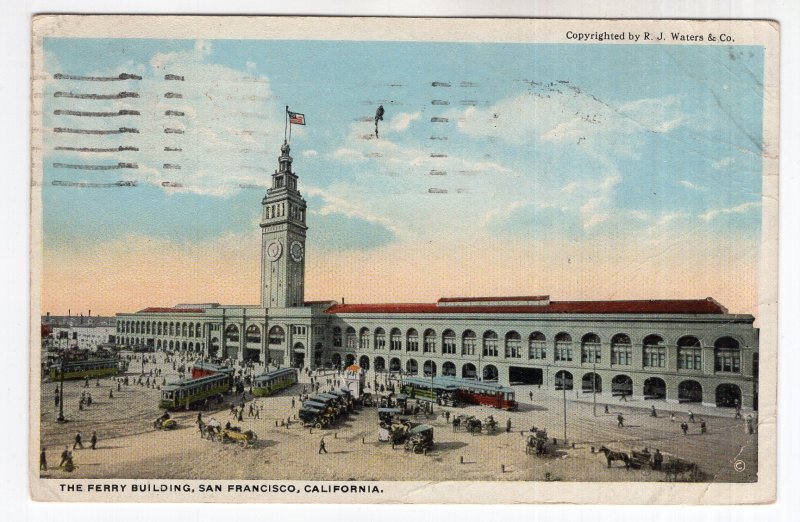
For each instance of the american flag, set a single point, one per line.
(296, 118)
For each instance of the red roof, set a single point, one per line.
(157, 310)
(512, 298)
(673, 306)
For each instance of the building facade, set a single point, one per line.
(673, 350)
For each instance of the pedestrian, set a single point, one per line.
(750, 425)
(620, 421)
(77, 441)
(531, 396)
(672, 417)
(256, 413)
(508, 426)
(703, 426)
(43, 460)
(111, 393)
(684, 428)
(88, 399)
(56, 400)
(292, 402)
(606, 408)
(691, 416)
(199, 417)
(447, 416)
(658, 459)
(653, 411)
(93, 440)
(322, 446)
(64, 456)
(239, 418)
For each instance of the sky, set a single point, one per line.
(577, 171)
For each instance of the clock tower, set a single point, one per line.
(283, 238)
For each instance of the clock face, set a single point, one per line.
(274, 250)
(296, 250)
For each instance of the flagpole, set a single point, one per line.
(285, 122)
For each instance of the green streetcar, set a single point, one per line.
(189, 392)
(431, 390)
(84, 369)
(274, 381)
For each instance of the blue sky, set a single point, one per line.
(543, 144)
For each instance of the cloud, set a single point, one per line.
(401, 121)
(566, 114)
(723, 162)
(738, 209)
(334, 203)
(216, 122)
(690, 185)
(310, 153)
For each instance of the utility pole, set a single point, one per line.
(564, 390)
(61, 394)
(594, 387)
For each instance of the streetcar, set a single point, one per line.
(189, 392)
(274, 381)
(485, 393)
(202, 369)
(84, 368)
(432, 390)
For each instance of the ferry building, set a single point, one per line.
(673, 350)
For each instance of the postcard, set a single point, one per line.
(403, 260)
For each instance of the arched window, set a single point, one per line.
(147, 327)
(395, 340)
(412, 340)
(468, 371)
(449, 369)
(159, 328)
(380, 339)
(253, 334)
(563, 347)
(337, 336)
(184, 330)
(232, 333)
(429, 341)
(654, 353)
(172, 328)
(621, 350)
(350, 338)
(449, 342)
(363, 338)
(690, 353)
(191, 329)
(727, 355)
(537, 346)
(490, 344)
(513, 345)
(590, 348)
(276, 335)
(411, 367)
(468, 341)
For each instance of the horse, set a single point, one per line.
(616, 455)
